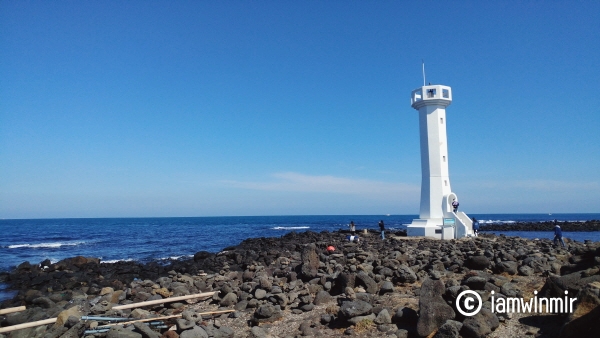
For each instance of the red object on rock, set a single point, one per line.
(330, 248)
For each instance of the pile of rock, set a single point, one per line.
(396, 287)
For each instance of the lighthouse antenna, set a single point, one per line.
(423, 62)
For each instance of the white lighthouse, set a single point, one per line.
(436, 217)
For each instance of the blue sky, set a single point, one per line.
(177, 108)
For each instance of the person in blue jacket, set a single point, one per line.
(475, 226)
(558, 234)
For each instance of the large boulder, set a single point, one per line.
(195, 332)
(477, 262)
(202, 255)
(322, 297)
(450, 329)
(383, 317)
(386, 287)
(267, 313)
(556, 285)
(479, 325)
(508, 267)
(538, 264)
(310, 262)
(355, 308)
(476, 282)
(433, 309)
(229, 299)
(405, 274)
(367, 281)
(583, 322)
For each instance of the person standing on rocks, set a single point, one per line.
(352, 227)
(475, 227)
(382, 229)
(558, 234)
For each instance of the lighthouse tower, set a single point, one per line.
(436, 217)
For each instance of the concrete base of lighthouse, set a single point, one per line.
(432, 227)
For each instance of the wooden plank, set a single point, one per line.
(164, 317)
(26, 325)
(120, 307)
(164, 300)
(12, 309)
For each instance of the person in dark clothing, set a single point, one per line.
(558, 234)
(382, 229)
(475, 227)
(455, 205)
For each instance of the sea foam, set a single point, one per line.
(290, 228)
(44, 245)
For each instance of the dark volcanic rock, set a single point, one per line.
(477, 262)
(433, 309)
(310, 262)
(267, 313)
(201, 255)
(405, 274)
(480, 324)
(355, 308)
(476, 282)
(120, 332)
(322, 297)
(386, 287)
(583, 322)
(368, 282)
(406, 315)
(508, 267)
(556, 285)
(450, 329)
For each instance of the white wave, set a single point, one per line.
(174, 257)
(44, 245)
(113, 261)
(290, 228)
(490, 221)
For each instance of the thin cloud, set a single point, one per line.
(297, 182)
(543, 185)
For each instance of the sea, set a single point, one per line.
(171, 238)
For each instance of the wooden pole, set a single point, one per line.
(161, 318)
(26, 325)
(164, 300)
(120, 307)
(12, 309)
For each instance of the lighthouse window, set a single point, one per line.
(430, 92)
(445, 93)
(441, 120)
(445, 183)
(444, 157)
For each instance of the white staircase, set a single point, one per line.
(464, 225)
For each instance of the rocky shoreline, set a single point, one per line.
(592, 225)
(293, 287)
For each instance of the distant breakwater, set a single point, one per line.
(592, 225)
